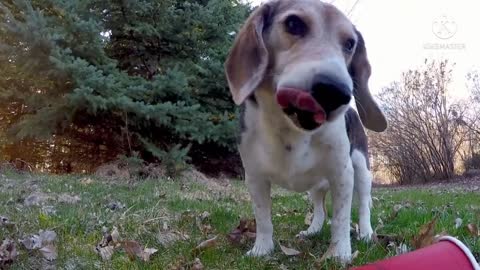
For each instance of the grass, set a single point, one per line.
(153, 206)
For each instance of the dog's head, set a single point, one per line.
(311, 55)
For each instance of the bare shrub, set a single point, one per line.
(426, 129)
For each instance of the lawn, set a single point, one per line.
(175, 216)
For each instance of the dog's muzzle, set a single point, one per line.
(309, 109)
(301, 108)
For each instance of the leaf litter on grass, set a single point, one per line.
(308, 219)
(44, 242)
(135, 250)
(68, 198)
(37, 198)
(197, 264)
(182, 264)
(209, 243)
(111, 242)
(426, 235)
(390, 241)
(166, 237)
(107, 246)
(473, 229)
(40, 240)
(6, 223)
(202, 223)
(8, 253)
(244, 232)
(290, 251)
(86, 181)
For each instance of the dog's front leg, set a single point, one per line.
(342, 191)
(319, 212)
(259, 190)
(363, 186)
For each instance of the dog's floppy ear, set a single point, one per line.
(360, 71)
(247, 61)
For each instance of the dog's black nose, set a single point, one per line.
(330, 93)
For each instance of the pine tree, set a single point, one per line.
(126, 75)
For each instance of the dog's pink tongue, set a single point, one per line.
(320, 117)
(301, 100)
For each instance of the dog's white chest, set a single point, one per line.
(297, 166)
(294, 161)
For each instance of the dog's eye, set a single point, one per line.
(349, 45)
(295, 26)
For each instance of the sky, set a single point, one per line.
(400, 34)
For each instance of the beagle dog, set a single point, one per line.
(294, 68)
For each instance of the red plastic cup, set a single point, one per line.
(448, 253)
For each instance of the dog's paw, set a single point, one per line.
(307, 233)
(304, 234)
(314, 228)
(341, 253)
(261, 249)
(366, 233)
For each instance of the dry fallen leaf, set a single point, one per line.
(473, 229)
(206, 229)
(115, 235)
(179, 263)
(201, 222)
(132, 248)
(401, 248)
(397, 207)
(49, 252)
(245, 230)
(37, 241)
(47, 237)
(107, 246)
(426, 235)
(458, 223)
(68, 199)
(197, 264)
(106, 239)
(115, 206)
(212, 242)
(86, 181)
(166, 238)
(8, 253)
(204, 216)
(308, 218)
(147, 252)
(5, 222)
(385, 239)
(380, 222)
(356, 230)
(32, 242)
(395, 211)
(44, 243)
(355, 254)
(105, 252)
(290, 251)
(36, 198)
